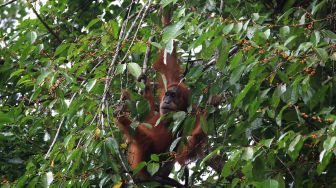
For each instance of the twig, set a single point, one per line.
(57, 132)
(63, 118)
(111, 67)
(44, 23)
(221, 7)
(9, 2)
(123, 164)
(187, 66)
(146, 8)
(147, 55)
(290, 173)
(143, 76)
(213, 61)
(209, 64)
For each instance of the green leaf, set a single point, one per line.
(174, 144)
(32, 36)
(228, 167)
(318, 7)
(276, 97)
(16, 73)
(242, 94)
(205, 36)
(115, 28)
(238, 27)
(228, 28)
(92, 22)
(139, 167)
(22, 181)
(44, 74)
(32, 183)
(329, 143)
(290, 39)
(178, 118)
(248, 154)
(61, 48)
(295, 146)
(325, 157)
(120, 68)
(112, 144)
(188, 125)
(316, 38)
(271, 183)
(319, 96)
(69, 142)
(211, 48)
(329, 34)
(236, 74)
(152, 168)
(278, 119)
(204, 124)
(286, 14)
(304, 46)
(282, 141)
(169, 46)
(267, 33)
(90, 85)
(172, 31)
(223, 56)
(209, 156)
(139, 47)
(266, 142)
(164, 3)
(155, 157)
(322, 53)
(284, 31)
(236, 60)
(142, 108)
(158, 45)
(148, 125)
(74, 155)
(134, 69)
(40, 47)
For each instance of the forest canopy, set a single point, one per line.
(270, 64)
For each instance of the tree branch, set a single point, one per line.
(44, 23)
(145, 9)
(143, 76)
(5, 4)
(111, 67)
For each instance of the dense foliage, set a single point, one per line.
(63, 66)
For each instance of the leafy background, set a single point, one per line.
(62, 72)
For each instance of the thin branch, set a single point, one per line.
(121, 38)
(146, 8)
(143, 77)
(58, 131)
(9, 2)
(44, 23)
(213, 61)
(121, 159)
(147, 55)
(111, 67)
(221, 7)
(188, 64)
(63, 118)
(209, 64)
(290, 172)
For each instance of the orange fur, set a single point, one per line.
(147, 141)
